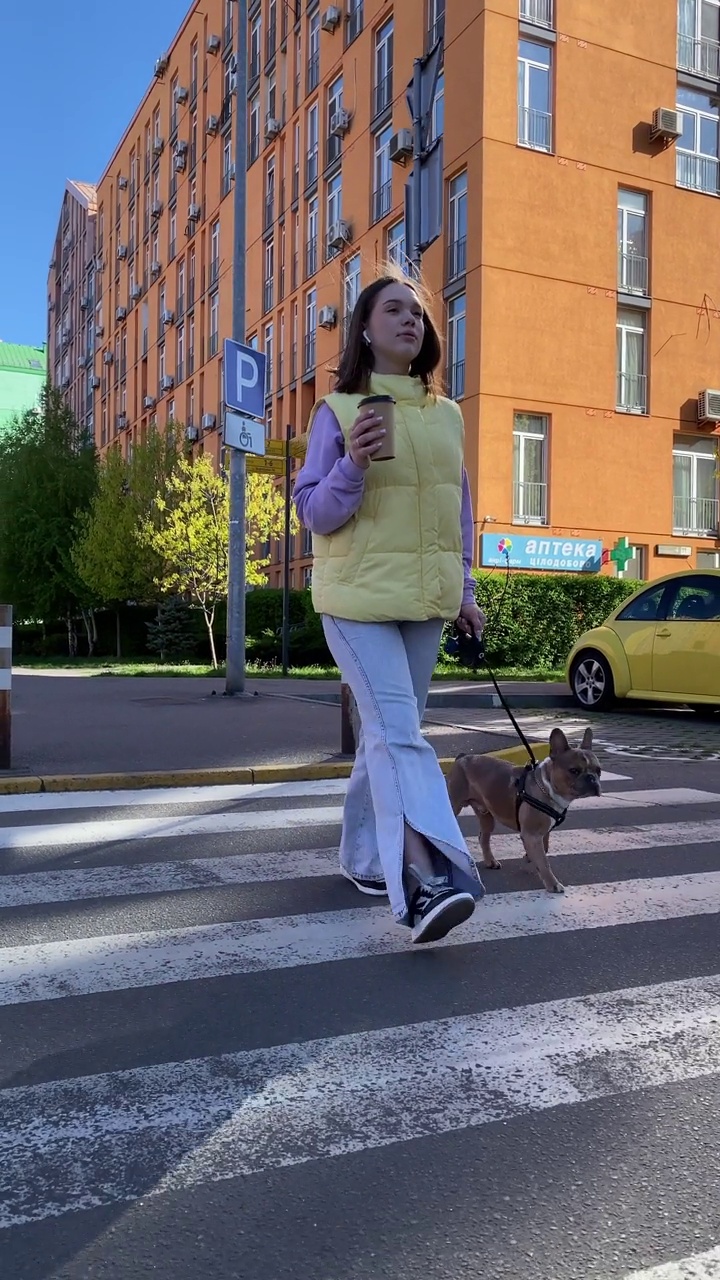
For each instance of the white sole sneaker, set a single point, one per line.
(373, 888)
(439, 919)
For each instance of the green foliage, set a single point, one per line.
(172, 634)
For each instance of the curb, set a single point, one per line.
(34, 784)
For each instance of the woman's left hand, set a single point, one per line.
(471, 619)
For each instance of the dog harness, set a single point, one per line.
(523, 798)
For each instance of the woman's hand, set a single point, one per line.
(471, 620)
(366, 436)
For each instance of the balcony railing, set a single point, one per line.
(457, 258)
(701, 57)
(534, 129)
(214, 271)
(267, 295)
(179, 373)
(270, 41)
(253, 147)
(456, 379)
(700, 173)
(213, 344)
(333, 149)
(180, 306)
(696, 515)
(191, 361)
(632, 392)
(254, 67)
(382, 94)
(539, 12)
(632, 273)
(313, 73)
(311, 166)
(311, 257)
(309, 353)
(296, 183)
(269, 211)
(354, 24)
(436, 30)
(293, 363)
(191, 292)
(529, 502)
(382, 201)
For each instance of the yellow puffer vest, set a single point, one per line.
(399, 558)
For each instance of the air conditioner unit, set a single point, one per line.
(156, 208)
(181, 93)
(208, 421)
(272, 127)
(95, 382)
(213, 44)
(327, 317)
(331, 18)
(99, 330)
(212, 124)
(123, 184)
(167, 317)
(666, 123)
(161, 65)
(121, 251)
(155, 268)
(65, 382)
(85, 302)
(709, 407)
(167, 383)
(120, 313)
(339, 234)
(158, 146)
(192, 433)
(340, 122)
(401, 146)
(107, 357)
(136, 293)
(81, 362)
(181, 148)
(149, 402)
(180, 162)
(193, 212)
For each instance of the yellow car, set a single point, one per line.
(662, 644)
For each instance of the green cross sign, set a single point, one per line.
(621, 553)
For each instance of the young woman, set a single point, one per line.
(392, 548)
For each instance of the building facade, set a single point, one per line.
(71, 302)
(23, 372)
(574, 275)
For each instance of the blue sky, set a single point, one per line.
(71, 74)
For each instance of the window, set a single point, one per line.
(539, 12)
(191, 276)
(311, 142)
(437, 115)
(697, 149)
(456, 346)
(647, 608)
(310, 330)
(636, 568)
(271, 90)
(396, 247)
(281, 264)
(214, 252)
(271, 37)
(313, 67)
(180, 290)
(530, 435)
(351, 290)
(269, 213)
(294, 342)
(268, 348)
(382, 175)
(695, 488)
(334, 106)
(457, 226)
(194, 70)
(173, 104)
(281, 357)
(191, 406)
(333, 209)
(254, 45)
(214, 322)
(311, 244)
(228, 23)
(632, 242)
(699, 37)
(298, 69)
(180, 355)
(631, 358)
(191, 345)
(693, 599)
(172, 240)
(708, 560)
(161, 361)
(534, 111)
(227, 164)
(193, 140)
(383, 67)
(436, 21)
(268, 274)
(354, 23)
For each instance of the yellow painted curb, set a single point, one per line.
(218, 777)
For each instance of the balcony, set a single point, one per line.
(456, 379)
(632, 273)
(268, 295)
(333, 149)
(354, 24)
(311, 258)
(699, 173)
(382, 94)
(214, 271)
(309, 353)
(700, 516)
(228, 34)
(382, 201)
(213, 344)
(529, 502)
(313, 73)
(269, 211)
(534, 129)
(191, 361)
(227, 180)
(179, 373)
(538, 12)
(632, 393)
(700, 57)
(191, 292)
(270, 42)
(254, 68)
(311, 166)
(180, 306)
(457, 258)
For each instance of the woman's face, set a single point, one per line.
(395, 328)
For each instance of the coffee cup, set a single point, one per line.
(384, 407)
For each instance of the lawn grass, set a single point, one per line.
(119, 667)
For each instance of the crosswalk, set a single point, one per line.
(199, 1015)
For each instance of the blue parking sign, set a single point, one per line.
(244, 379)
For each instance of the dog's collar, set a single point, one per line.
(544, 785)
(558, 815)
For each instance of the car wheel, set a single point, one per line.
(591, 682)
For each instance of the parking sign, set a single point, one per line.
(244, 379)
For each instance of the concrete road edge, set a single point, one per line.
(34, 784)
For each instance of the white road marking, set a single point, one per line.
(45, 801)
(113, 830)
(77, 884)
(170, 1127)
(699, 1266)
(116, 962)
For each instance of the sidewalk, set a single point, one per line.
(64, 723)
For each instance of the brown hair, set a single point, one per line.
(356, 362)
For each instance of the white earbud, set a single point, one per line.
(366, 337)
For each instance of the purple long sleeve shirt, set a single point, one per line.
(329, 489)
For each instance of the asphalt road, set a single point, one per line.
(217, 1060)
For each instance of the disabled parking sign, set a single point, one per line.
(244, 397)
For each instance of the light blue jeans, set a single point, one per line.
(396, 777)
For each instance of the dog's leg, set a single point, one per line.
(487, 826)
(536, 851)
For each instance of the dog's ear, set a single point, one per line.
(586, 744)
(558, 742)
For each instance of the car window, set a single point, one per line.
(646, 607)
(695, 599)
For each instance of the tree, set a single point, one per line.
(264, 519)
(172, 634)
(48, 477)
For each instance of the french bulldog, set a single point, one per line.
(492, 787)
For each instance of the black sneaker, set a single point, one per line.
(436, 908)
(373, 888)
